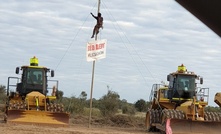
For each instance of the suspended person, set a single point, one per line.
(98, 25)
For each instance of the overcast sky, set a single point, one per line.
(146, 40)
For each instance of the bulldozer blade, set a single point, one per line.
(182, 126)
(37, 118)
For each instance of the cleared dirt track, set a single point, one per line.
(122, 125)
(74, 129)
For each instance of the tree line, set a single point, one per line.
(108, 105)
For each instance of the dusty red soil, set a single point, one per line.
(73, 129)
(79, 125)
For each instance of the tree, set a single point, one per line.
(109, 103)
(141, 105)
(2, 93)
(59, 95)
(128, 109)
(123, 103)
(73, 105)
(83, 96)
(2, 89)
(212, 109)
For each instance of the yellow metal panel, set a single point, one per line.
(35, 99)
(181, 126)
(217, 99)
(37, 117)
(163, 88)
(181, 99)
(51, 97)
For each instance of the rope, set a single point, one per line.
(81, 27)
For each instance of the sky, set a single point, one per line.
(146, 40)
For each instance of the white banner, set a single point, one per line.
(96, 50)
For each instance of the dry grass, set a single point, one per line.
(118, 120)
(95, 112)
(140, 114)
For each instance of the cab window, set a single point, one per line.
(34, 76)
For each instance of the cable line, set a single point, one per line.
(118, 27)
(81, 27)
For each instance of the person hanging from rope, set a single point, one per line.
(98, 25)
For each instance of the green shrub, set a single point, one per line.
(141, 105)
(73, 105)
(109, 103)
(95, 112)
(2, 94)
(128, 109)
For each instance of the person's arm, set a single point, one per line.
(93, 16)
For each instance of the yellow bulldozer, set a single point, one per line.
(179, 107)
(27, 99)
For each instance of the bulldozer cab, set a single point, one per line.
(34, 78)
(182, 85)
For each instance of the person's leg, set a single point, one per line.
(93, 32)
(97, 29)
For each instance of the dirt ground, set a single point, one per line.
(79, 125)
(73, 129)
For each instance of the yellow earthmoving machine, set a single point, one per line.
(29, 102)
(179, 107)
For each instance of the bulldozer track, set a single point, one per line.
(173, 114)
(55, 107)
(52, 107)
(213, 116)
(176, 114)
(158, 116)
(155, 116)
